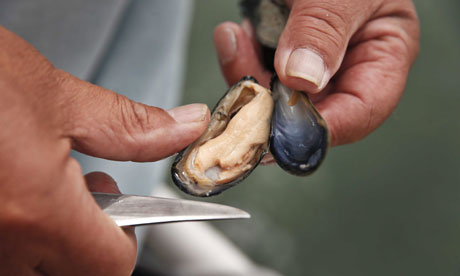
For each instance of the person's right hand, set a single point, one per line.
(49, 222)
(351, 56)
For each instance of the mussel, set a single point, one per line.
(299, 138)
(233, 144)
(250, 119)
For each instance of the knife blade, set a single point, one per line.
(130, 210)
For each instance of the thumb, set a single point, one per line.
(105, 124)
(314, 41)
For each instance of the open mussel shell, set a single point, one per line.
(299, 138)
(233, 144)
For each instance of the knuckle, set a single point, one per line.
(393, 50)
(134, 122)
(324, 22)
(347, 130)
(134, 116)
(17, 216)
(399, 49)
(402, 23)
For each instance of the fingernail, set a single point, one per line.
(189, 113)
(308, 65)
(226, 50)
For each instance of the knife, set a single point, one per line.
(130, 210)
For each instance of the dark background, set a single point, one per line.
(388, 205)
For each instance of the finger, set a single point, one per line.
(237, 54)
(80, 238)
(314, 41)
(105, 124)
(370, 82)
(267, 159)
(101, 182)
(104, 183)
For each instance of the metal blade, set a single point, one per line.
(128, 210)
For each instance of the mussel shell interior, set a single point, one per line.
(230, 104)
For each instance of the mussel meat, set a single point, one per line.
(233, 144)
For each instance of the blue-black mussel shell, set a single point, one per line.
(299, 138)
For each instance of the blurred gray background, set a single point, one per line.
(388, 205)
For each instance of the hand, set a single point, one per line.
(49, 222)
(351, 56)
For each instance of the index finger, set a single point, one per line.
(237, 54)
(369, 84)
(85, 241)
